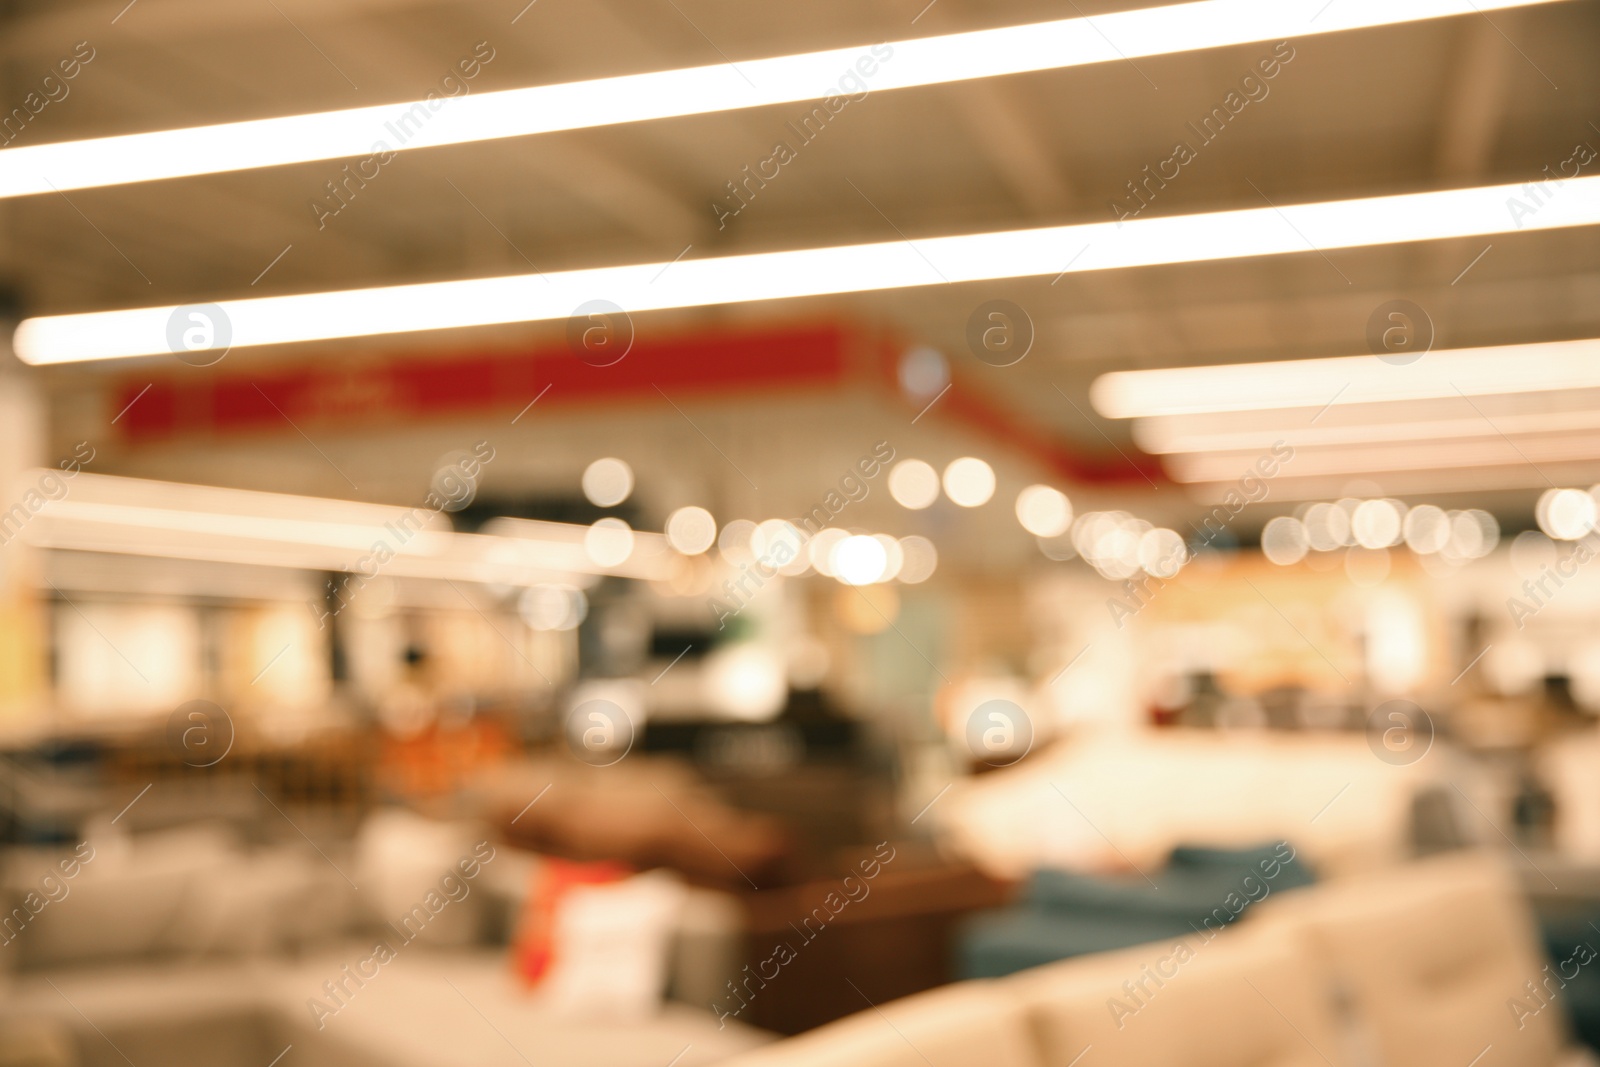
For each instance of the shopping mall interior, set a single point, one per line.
(905, 533)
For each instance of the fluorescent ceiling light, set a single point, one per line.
(222, 501)
(1403, 484)
(1382, 458)
(859, 268)
(1344, 380)
(699, 90)
(133, 516)
(1174, 434)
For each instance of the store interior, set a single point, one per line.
(659, 534)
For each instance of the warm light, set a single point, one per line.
(746, 682)
(779, 543)
(893, 557)
(1162, 552)
(609, 542)
(1284, 540)
(833, 74)
(821, 549)
(1044, 511)
(773, 537)
(1109, 541)
(1510, 415)
(1473, 534)
(1427, 529)
(607, 482)
(1472, 455)
(914, 484)
(859, 560)
(691, 530)
(735, 539)
(920, 559)
(134, 516)
(1345, 380)
(1284, 229)
(1565, 514)
(128, 656)
(553, 607)
(1327, 527)
(969, 482)
(1397, 644)
(1376, 523)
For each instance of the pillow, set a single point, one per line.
(610, 945)
(533, 948)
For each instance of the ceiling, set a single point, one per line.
(1433, 105)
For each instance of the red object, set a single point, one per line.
(533, 950)
(442, 759)
(351, 392)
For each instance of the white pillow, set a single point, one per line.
(610, 947)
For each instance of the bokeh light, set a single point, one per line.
(691, 530)
(1284, 540)
(607, 482)
(1044, 511)
(859, 560)
(914, 484)
(609, 542)
(1565, 514)
(920, 559)
(969, 482)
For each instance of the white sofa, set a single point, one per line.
(1151, 790)
(182, 946)
(1408, 967)
(427, 1007)
(1435, 960)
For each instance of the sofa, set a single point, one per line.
(1149, 791)
(431, 1006)
(1430, 964)
(189, 945)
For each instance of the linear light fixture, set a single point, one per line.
(699, 90)
(1394, 423)
(840, 269)
(1473, 481)
(135, 516)
(1343, 380)
(1528, 453)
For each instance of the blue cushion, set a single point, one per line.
(1003, 942)
(1064, 914)
(1195, 883)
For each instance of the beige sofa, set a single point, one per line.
(1152, 790)
(1417, 966)
(428, 1007)
(1435, 962)
(183, 946)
